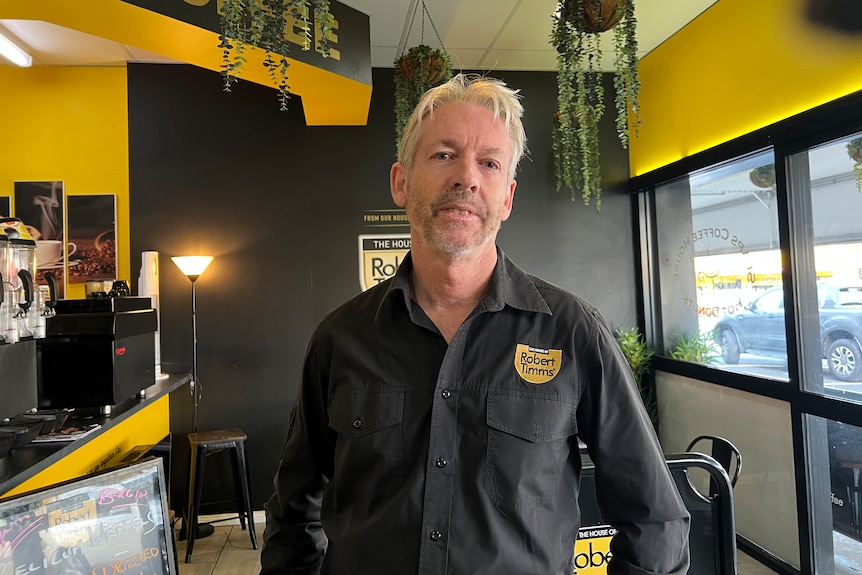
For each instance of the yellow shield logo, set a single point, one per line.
(537, 365)
(380, 256)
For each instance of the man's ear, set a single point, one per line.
(509, 201)
(398, 184)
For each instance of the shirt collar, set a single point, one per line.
(510, 285)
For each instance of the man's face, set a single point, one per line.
(458, 191)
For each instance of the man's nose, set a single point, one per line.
(465, 176)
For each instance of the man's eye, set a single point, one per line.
(491, 164)
(442, 155)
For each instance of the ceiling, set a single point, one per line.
(482, 35)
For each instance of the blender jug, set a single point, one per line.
(6, 292)
(21, 267)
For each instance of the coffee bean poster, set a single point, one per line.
(112, 523)
(92, 237)
(41, 206)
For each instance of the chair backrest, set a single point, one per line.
(712, 540)
(723, 451)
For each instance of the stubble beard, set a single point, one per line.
(444, 236)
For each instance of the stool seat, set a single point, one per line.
(220, 438)
(202, 444)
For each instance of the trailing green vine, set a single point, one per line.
(580, 92)
(264, 24)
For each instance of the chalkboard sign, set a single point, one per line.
(110, 523)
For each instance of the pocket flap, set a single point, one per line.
(532, 418)
(359, 414)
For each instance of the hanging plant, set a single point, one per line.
(763, 176)
(265, 24)
(580, 93)
(854, 150)
(420, 69)
(417, 71)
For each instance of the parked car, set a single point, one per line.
(760, 329)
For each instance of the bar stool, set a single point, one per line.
(202, 444)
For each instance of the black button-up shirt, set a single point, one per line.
(407, 455)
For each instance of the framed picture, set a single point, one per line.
(92, 232)
(40, 205)
(5, 206)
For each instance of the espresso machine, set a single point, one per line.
(97, 352)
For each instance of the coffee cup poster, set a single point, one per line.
(74, 235)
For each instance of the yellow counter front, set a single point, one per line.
(131, 429)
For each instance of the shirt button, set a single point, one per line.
(357, 423)
(445, 394)
(441, 463)
(436, 535)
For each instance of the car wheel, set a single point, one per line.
(845, 360)
(729, 347)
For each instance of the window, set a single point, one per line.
(720, 268)
(837, 494)
(754, 271)
(830, 200)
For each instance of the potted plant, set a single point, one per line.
(695, 347)
(420, 69)
(639, 355)
(580, 93)
(264, 24)
(854, 150)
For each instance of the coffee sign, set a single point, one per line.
(106, 524)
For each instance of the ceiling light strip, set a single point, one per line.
(14, 53)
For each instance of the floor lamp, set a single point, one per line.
(193, 267)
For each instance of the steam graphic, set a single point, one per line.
(50, 226)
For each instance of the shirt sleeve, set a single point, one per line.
(635, 490)
(293, 540)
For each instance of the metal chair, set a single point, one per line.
(724, 452)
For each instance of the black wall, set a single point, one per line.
(280, 205)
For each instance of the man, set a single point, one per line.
(437, 422)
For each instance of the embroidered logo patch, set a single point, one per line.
(537, 365)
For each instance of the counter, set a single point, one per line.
(133, 426)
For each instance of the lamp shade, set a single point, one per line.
(192, 266)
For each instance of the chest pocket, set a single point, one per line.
(369, 442)
(527, 438)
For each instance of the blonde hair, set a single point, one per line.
(489, 93)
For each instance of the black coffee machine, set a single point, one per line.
(97, 352)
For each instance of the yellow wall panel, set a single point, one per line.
(738, 67)
(69, 124)
(146, 427)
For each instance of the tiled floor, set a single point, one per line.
(228, 551)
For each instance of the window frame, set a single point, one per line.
(788, 139)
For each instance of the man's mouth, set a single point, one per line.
(458, 211)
